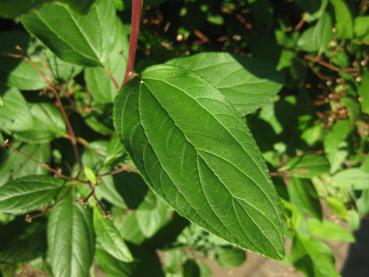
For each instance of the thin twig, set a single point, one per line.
(328, 65)
(111, 77)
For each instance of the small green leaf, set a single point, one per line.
(345, 25)
(313, 257)
(71, 239)
(361, 28)
(337, 206)
(48, 124)
(84, 39)
(230, 257)
(99, 84)
(195, 152)
(317, 38)
(14, 113)
(354, 178)
(247, 83)
(307, 166)
(29, 193)
(15, 165)
(90, 175)
(110, 239)
(329, 230)
(304, 196)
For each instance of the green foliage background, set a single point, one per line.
(295, 72)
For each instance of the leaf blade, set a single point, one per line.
(142, 132)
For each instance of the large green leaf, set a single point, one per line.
(29, 193)
(83, 39)
(110, 239)
(99, 84)
(195, 152)
(247, 83)
(71, 239)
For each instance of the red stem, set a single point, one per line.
(135, 30)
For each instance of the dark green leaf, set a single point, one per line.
(29, 193)
(195, 152)
(247, 83)
(84, 39)
(71, 239)
(21, 241)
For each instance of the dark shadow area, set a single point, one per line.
(357, 263)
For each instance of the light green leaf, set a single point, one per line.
(304, 196)
(99, 84)
(313, 257)
(48, 124)
(90, 175)
(71, 239)
(83, 39)
(344, 22)
(337, 206)
(329, 230)
(14, 165)
(361, 28)
(354, 178)
(247, 83)
(14, 113)
(195, 152)
(307, 166)
(29, 193)
(150, 221)
(317, 38)
(110, 239)
(107, 190)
